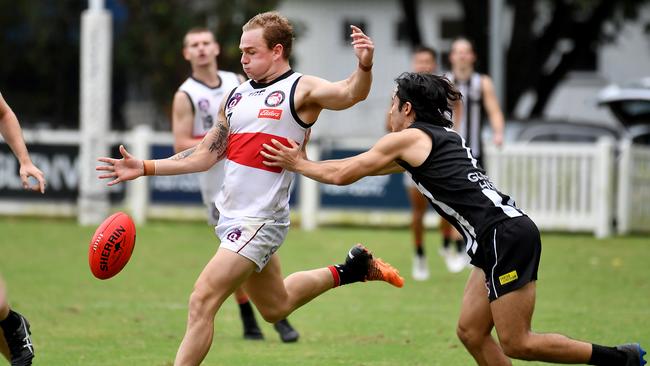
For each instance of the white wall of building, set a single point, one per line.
(321, 51)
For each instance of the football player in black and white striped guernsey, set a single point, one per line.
(503, 243)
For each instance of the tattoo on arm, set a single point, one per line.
(183, 154)
(219, 139)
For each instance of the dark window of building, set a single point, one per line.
(346, 31)
(401, 32)
(451, 28)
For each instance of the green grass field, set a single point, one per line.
(589, 289)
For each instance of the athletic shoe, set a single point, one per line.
(634, 354)
(251, 330)
(449, 256)
(286, 331)
(375, 269)
(420, 268)
(20, 344)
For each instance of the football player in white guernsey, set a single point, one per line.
(194, 111)
(504, 243)
(15, 341)
(275, 104)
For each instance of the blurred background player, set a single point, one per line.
(194, 110)
(423, 60)
(15, 341)
(479, 100)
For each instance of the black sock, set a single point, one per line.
(419, 250)
(605, 356)
(445, 242)
(344, 275)
(245, 309)
(460, 243)
(11, 323)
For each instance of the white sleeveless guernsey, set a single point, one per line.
(205, 105)
(258, 113)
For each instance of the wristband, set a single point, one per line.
(149, 167)
(364, 67)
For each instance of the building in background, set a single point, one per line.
(321, 50)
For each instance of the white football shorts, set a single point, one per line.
(254, 238)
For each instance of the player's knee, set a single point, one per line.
(470, 337)
(273, 315)
(516, 347)
(203, 302)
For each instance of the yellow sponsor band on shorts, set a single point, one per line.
(508, 277)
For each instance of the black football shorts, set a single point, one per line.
(509, 255)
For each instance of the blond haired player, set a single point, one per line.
(15, 341)
(275, 104)
(194, 111)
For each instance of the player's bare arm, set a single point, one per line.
(12, 134)
(491, 104)
(197, 159)
(314, 94)
(182, 119)
(411, 146)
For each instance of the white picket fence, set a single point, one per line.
(560, 186)
(567, 187)
(633, 209)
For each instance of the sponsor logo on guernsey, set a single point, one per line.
(274, 99)
(270, 113)
(234, 100)
(482, 180)
(257, 93)
(204, 104)
(508, 277)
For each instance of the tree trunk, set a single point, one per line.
(583, 35)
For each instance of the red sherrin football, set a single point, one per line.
(111, 246)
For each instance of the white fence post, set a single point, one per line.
(623, 196)
(310, 193)
(95, 110)
(602, 188)
(137, 193)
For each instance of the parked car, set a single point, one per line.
(631, 105)
(565, 131)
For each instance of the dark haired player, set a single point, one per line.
(502, 241)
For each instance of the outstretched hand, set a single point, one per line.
(282, 156)
(364, 48)
(30, 170)
(127, 168)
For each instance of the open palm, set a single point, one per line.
(120, 170)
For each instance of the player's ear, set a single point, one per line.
(218, 48)
(408, 108)
(278, 51)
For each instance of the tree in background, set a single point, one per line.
(39, 44)
(549, 39)
(39, 66)
(148, 43)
